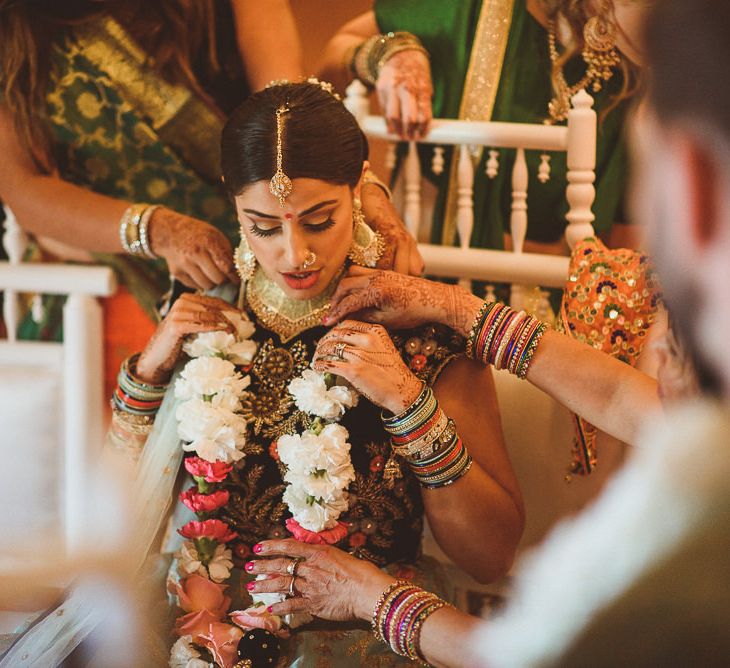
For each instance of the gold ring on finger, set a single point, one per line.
(293, 592)
(291, 568)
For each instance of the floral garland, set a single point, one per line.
(318, 472)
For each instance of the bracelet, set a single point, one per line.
(369, 57)
(129, 229)
(504, 338)
(143, 226)
(133, 395)
(399, 615)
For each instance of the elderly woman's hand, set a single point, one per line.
(404, 91)
(197, 254)
(365, 356)
(329, 583)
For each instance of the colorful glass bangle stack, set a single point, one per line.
(399, 615)
(135, 396)
(133, 230)
(504, 338)
(425, 437)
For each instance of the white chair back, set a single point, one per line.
(51, 395)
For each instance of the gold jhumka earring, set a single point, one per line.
(367, 245)
(599, 54)
(280, 185)
(244, 259)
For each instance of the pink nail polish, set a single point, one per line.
(249, 566)
(258, 548)
(251, 586)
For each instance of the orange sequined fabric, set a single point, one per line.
(610, 301)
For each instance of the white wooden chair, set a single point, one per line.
(538, 431)
(51, 407)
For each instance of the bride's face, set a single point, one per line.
(316, 218)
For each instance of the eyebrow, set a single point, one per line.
(301, 214)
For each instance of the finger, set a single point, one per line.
(184, 278)
(211, 302)
(286, 546)
(409, 113)
(209, 267)
(200, 280)
(416, 265)
(278, 565)
(393, 115)
(289, 606)
(273, 583)
(349, 284)
(402, 259)
(347, 306)
(223, 258)
(425, 112)
(336, 367)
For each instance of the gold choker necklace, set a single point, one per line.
(286, 316)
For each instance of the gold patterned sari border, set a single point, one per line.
(480, 88)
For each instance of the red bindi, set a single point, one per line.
(288, 216)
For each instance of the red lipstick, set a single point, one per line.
(301, 280)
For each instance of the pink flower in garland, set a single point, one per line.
(204, 503)
(256, 617)
(211, 529)
(326, 537)
(210, 471)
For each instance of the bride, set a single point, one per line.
(326, 457)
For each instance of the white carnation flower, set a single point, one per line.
(214, 433)
(209, 344)
(184, 655)
(312, 396)
(207, 376)
(313, 516)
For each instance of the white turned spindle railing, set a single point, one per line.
(465, 202)
(412, 202)
(578, 139)
(581, 168)
(15, 243)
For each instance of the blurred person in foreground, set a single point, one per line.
(642, 577)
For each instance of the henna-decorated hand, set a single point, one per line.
(364, 355)
(401, 250)
(330, 583)
(197, 253)
(190, 314)
(404, 92)
(399, 301)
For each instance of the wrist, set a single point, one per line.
(371, 589)
(407, 395)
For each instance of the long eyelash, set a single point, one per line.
(321, 227)
(263, 233)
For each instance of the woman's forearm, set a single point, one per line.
(610, 394)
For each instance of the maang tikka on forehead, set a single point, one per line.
(280, 184)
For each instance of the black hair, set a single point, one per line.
(321, 139)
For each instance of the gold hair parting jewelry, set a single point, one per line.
(280, 185)
(367, 245)
(600, 56)
(326, 86)
(309, 259)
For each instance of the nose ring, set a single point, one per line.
(309, 259)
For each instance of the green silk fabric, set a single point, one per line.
(447, 31)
